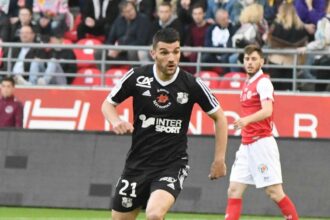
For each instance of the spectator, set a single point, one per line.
(184, 8)
(165, 20)
(11, 110)
(173, 3)
(219, 36)
(196, 32)
(25, 18)
(21, 67)
(51, 16)
(235, 8)
(147, 7)
(130, 28)
(97, 17)
(54, 70)
(4, 25)
(310, 11)
(287, 32)
(253, 30)
(321, 42)
(212, 7)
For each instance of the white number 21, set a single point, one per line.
(126, 185)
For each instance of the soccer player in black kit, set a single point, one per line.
(157, 162)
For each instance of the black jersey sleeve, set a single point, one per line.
(123, 89)
(204, 97)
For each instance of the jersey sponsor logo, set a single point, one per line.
(146, 122)
(162, 99)
(248, 95)
(127, 202)
(143, 81)
(162, 124)
(146, 93)
(9, 109)
(182, 97)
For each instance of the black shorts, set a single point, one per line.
(133, 191)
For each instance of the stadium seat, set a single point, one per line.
(207, 77)
(66, 41)
(97, 37)
(235, 81)
(87, 77)
(113, 75)
(86, 54)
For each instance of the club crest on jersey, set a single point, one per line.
(9, 109)
(143, 81)
(182, 97)
(127, 202)
(162, 99)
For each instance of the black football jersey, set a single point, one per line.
(162, 111)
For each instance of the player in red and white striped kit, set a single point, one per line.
(257, 160)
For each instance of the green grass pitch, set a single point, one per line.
(10, 213)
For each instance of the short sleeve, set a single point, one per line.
(204, 97)
(122, 89)
(265, 89)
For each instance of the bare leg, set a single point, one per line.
(159, 203)
(125, 215)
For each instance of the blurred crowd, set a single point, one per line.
(303, 25)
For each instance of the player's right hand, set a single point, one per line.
(123, 127)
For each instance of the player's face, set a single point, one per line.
(7, 89)
(166, 56)
(252, 63)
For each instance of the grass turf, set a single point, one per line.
(10, 213)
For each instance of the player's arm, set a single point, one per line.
(265, 112)
(110, 113)
(119, 93)
(218, 167)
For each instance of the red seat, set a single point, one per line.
(113, 75)
(235, 81)
(88, 77)
(209, 78)
(86, 54)
(97, 37)
(66, 41)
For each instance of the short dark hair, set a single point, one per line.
(166, 35)
(8, 79)
(253, 48)
(198, 5)
(168, 4)
(124, 3)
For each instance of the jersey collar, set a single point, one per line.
(256, 76)
(165, 83)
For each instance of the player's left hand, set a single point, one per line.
(218, 169)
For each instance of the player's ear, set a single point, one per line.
(153, 53)
(262, 61)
